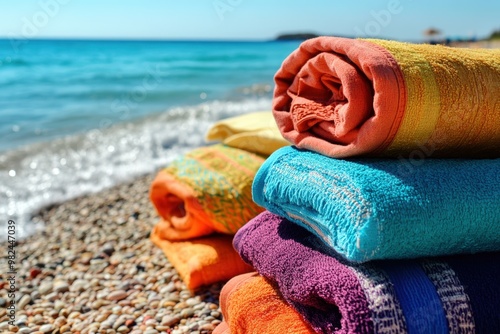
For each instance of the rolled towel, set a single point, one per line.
(384, 209)
(251, 304)
(202, 261)
(459, 294)
(254, 132)
(207, 190)
(343, 97)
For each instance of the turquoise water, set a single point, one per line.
(79, 116)
(50, 89)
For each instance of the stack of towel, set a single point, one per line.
(368, 229)
(205, 196)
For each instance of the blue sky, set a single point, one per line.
(244, 19)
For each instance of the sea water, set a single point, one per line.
(80, 116)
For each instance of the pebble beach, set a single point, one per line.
(93, 269)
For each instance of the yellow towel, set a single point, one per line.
(254, 132)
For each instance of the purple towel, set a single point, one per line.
(436, 295)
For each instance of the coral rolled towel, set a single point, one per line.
(207, 190)
(344, 97)
(251, 304)
(202, 261)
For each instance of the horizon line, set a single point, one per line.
(125, 39)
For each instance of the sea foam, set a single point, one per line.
(41, 174)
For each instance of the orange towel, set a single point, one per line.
(343, 97)
(207, 190)
(250, 304)
(202, 261)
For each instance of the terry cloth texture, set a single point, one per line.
(207, 190)
(202, 261)
(459, 294)
(385, 209)
(252, 305)
(344, 97)
(254, 132)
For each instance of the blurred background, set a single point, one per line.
(93, 93)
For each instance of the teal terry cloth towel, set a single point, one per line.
(368, 209)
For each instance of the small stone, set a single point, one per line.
(215, 314)
(45, 288)
(170, 320)
(59, 304)
(35, 295)
(151, 331)
(3, 302)
(46, 328)
(130, 322)
(34, 272)
(73, 315)
(123, 329)
(170, 287)
(162, 328)
(193, 327)
(187, 312)
(25, 299)
(25, 330)
(98, 304)
(64, 328)
(117, 295)
(192, 301)
(79, 285)
(21, 322)
(167, 303)
(61, 287)
(207, 327)
(52, 296)
(108, 249)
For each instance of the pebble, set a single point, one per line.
(45, 288)
(46, 328)
(187, 312)
(118, 295)
(35, 295)
(61, 287)
(80, 285)
(25, 299)
(97, 278)
(64, 328)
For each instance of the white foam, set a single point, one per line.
(45, 173)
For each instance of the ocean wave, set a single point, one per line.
(41, 174)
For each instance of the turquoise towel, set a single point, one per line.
(385, 209)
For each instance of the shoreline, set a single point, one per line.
(93, 269)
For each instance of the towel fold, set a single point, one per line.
(458, 294)
(202, 261)
(207, 190)
(343, 97)
(254, 132)
(252, 305)
(384, 209)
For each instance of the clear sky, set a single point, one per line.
(245, 19)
